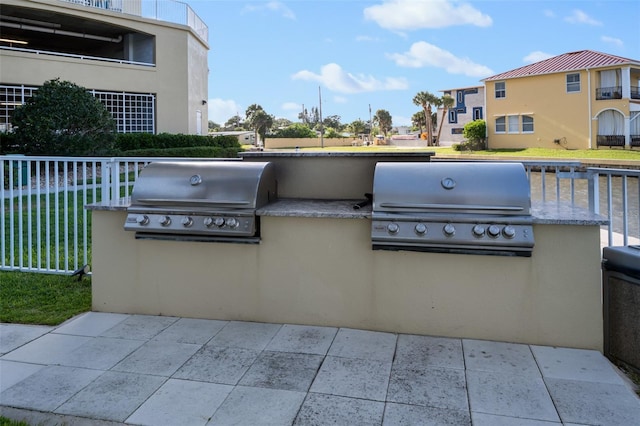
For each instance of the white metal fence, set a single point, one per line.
(45, 228)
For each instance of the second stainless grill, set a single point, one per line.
(468, 208)
(208, 201)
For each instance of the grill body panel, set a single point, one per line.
(201, 201)
(469, 208)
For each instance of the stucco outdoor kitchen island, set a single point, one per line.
(315, 265)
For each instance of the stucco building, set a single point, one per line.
(577, 100)
(145, 60)
(468, 105)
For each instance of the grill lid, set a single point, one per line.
(451, 188)
(211, 185)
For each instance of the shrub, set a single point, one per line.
(145, 144)
(296, 130)
(192, 151)
(62, 118)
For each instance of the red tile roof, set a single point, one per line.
(571, 61)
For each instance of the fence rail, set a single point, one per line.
(45, 228)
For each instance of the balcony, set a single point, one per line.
(162, 10)
(614, 92)
(617, 140)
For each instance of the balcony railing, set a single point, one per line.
(162, 10)
(635, 92)
(614, 92)
(610, 140)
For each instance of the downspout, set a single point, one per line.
(590, 111)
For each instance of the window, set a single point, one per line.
(573, 83)
(460, 97)
(527, 124)
(500, 125)
(501, 89)
(477, 113)
(513, 124)
(453, 116)
(133, 112)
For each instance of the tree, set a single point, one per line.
(447, 102)
(384, 121)
(417, 120)
(426, 100)
(259, 120)
(357, 127)
(281, 123)
(332, 121)
(234, 123)
(62, 118)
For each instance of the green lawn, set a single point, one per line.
(544, 153)
(47, 299)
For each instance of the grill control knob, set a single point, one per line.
(509, 232)
(449, 230)
(478, 231)
(493, 231)
(164, 220)
(142, 219)
(393, 228)
(421, 229)
(208, 222)
(187, 222)
(232, 223)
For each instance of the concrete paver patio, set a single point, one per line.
(101, 368)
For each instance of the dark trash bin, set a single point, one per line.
(621, 304)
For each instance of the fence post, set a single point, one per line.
(593, 179)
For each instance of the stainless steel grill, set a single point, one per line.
(201, 201)
(468, 208)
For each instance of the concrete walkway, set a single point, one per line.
(101, 368)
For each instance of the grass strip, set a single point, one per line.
(45, 299)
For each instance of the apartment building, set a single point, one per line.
(577, 100)
(146, 60)
(468, 106)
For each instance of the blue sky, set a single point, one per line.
(381, 53)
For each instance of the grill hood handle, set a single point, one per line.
(462, 207)
(186, 202)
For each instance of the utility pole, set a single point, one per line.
(320, 111)
(370, 126)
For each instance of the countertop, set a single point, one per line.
(312, 154)
(542, 213)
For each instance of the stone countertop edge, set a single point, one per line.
(313, 154)
(542, 213)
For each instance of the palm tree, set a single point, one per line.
(417, 120)
(426, 100)
(259, 121)
(447, 102)
(384, 121)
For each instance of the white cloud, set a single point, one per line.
(612, 40)
(416, 14)
(422, 54)
(334, 78)
(579, 17)
(291, 106)
(273, 6)
(340, 99)
(220, 110)
(536, 56)
(549, 13)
